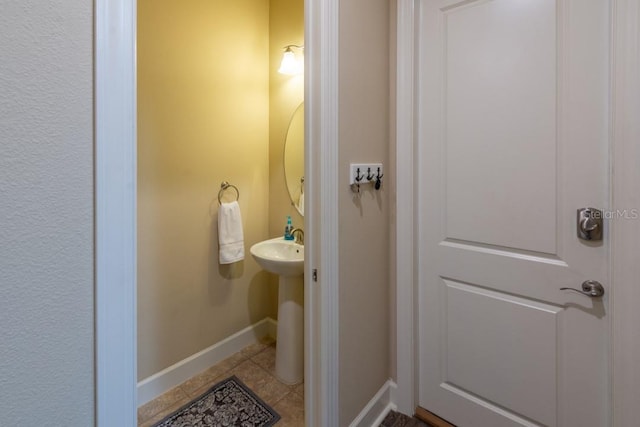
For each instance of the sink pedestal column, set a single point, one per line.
(290, 345)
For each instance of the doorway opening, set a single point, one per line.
(116, 174)
(212, 120)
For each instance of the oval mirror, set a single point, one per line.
(294, 159)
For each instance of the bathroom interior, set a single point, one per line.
(213, 109)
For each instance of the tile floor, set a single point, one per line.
(396, 419)
(255, 366)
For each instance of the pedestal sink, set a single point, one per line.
(286, 259)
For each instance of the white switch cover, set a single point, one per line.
(366, 172)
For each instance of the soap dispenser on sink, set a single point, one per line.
(288, 229)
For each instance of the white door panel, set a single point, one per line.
(488, 325)
(500, 122)
(512, 125)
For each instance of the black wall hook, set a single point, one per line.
(369, 176)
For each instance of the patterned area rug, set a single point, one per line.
(228, 403)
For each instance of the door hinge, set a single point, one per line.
(314, 274)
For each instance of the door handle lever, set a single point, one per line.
(590, 288)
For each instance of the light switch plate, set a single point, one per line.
(367, 172)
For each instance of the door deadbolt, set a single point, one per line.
(590, 224)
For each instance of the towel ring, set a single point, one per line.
(224, 186)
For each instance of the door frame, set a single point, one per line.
(115, 212)
(624, 150)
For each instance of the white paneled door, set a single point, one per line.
(512, 139)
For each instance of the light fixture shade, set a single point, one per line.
(290, 64)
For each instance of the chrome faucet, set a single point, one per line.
(299, 238)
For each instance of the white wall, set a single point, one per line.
(46, 213)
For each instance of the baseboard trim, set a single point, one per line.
(378, 407)
(155, 385)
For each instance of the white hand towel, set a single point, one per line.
(230, 235)
(300, 204)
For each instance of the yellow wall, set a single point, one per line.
(203, 118)
(286, 20)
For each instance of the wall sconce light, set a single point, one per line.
(290, 65)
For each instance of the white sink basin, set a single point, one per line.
(279, 256)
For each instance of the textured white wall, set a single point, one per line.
(46, 213)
